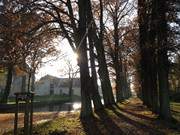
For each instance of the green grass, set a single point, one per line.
(175, 109)
(57, 126)
(49, 99)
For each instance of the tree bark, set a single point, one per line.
(126, 82)
(163, 86)
(86, 108)
(117, 61)
(163, 64)
(93, 80)
(8, 85)
(153, 51)
(142, 19)
(103, 71)
(33, 82)
(23, 85)
(148, 56)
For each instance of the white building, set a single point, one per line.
(59, 86)
(45, 86)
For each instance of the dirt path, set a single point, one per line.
(135, 119)
(129, 118)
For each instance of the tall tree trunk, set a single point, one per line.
(105, 81)
(8, 85)
(153, 60)
(119, 78)
(103, 71)
(23, 85)
(119, 83)
(153, 85)
(153, 81)
(81, 48)
(93, 81)
(163, 64)
(163, 86)
(126, 82)
(142, 31)
(145, 55)
(120, 89)
(86, 108)
(33, 82)
(29, 81)
(148, 86)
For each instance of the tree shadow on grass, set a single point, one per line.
(175, 111)
(135, 114)
(103, 125)
(110, 126)
(91, 126)
(174, 124)
(138, 125)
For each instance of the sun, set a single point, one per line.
(76, 56)
(54, 67)
(73, 57)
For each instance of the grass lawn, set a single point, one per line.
(49, 99)
(129, 118)
(175, 109)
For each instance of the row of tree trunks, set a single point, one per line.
(102, 71)
(153, 64)
(142, 38)
(148, 64)
(88, 91)
(154, 59)
(117, 61)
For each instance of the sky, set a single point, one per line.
(56, 67)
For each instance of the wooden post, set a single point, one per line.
(26, 116)
(31, 114)
(27, 97)
(16, 116)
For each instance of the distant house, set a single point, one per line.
(16, 81)
(16, 85)
(48, 85)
